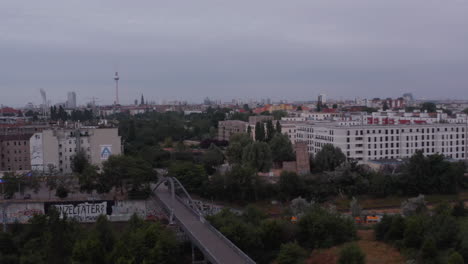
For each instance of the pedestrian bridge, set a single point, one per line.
(181, 209)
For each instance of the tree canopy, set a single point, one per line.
(328, 158)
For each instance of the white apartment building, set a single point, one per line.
(57, 147)
(376, 142)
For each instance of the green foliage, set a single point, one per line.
(319, 228)
(126, 172)
(212, 158)
(51, 239)
(239, 184)
(270, 130)
(432, 236)
(429, 107)
(259, 237)
(415, 228)
(352, 254)
(431, 174)
(257, 155)
(278, 127)
(290, 185)
(278, 114)
(11, 185)
(328, 158)
(240, 116)
(79, 162)
(62, 191)
(192, 176)
(429, 250)
(281, 148)
(291, 253)
(455, 258)
(459, 209)
(259, 131)
(237, 142)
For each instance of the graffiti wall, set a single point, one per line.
(20, 212)
(83, 211)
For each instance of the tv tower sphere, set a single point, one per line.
(116, 77)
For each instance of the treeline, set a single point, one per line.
(52, 239)
(152, 128)
(266, 239)
(440, 236)
(59, 113)
(333, 176)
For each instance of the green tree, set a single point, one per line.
(125, 172)
(259, 131)
(270, 130)
(237, 142)
(385, 106)
(321, 228)
(8, 249)
(352, 254)
(79, 162)
(429, 107)
(290, 185)
(459, 209)
(257, 155)
(191, 175)
(281, 149)
(291, 253)
(131, 131)
(278, 127)
(328, 158)
(62, 191)
(213, 158)
(11, 185)
(278, 114)
(414, 231)
(455, 258)
(429, 249)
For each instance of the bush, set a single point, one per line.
(61, 192)
(322, 228)
(456, 258)
(291, 253)
(352, 254)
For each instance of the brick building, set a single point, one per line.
(14, 152)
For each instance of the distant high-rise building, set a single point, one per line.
(322, 98)
(71, 100)
(408, 97)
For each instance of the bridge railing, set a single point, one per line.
(239, 252)
(189, 233)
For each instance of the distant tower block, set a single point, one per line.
(116, 78)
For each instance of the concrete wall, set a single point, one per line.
(116, 210)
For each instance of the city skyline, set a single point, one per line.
(266, 49)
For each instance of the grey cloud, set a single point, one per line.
(226, 49)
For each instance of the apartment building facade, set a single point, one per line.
(56, 148)
(378, 142)
(14, 152)
(229, 127)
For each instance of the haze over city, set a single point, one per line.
(237, 49)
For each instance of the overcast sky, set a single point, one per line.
(188, 50)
